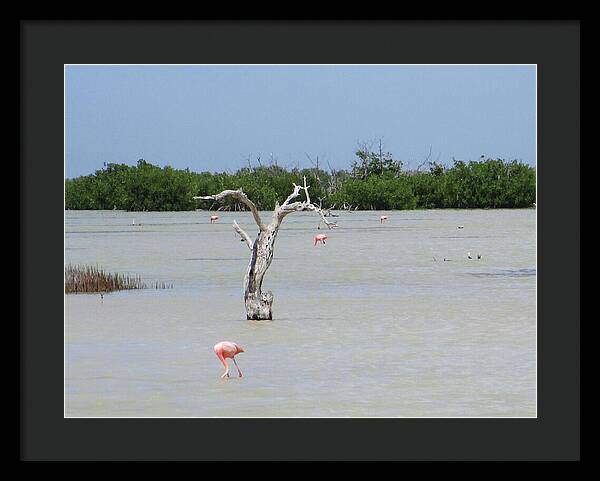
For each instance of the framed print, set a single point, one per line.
(331, 239)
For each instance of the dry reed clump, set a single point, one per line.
(90, 279)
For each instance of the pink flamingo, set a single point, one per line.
(383, 218)
(225, 349)
(214, 218)
(320, 238)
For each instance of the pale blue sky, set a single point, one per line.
(213, 117)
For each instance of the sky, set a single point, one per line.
(215, 117)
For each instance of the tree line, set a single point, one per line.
(374, 181)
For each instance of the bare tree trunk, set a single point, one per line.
(259, 304)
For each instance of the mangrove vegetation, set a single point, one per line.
(375, 180)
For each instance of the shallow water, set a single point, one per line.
(375, 323)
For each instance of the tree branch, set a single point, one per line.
(293, 195)
(287, 208)
(238, 194)
(243, 234)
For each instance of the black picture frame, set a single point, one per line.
(46, 45)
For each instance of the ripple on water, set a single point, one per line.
(506, 273)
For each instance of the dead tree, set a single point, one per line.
(258, 303)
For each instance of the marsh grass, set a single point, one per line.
(92, 279)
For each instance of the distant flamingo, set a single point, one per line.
(383, 218)
(225, 349)
(320, 238)
(214, 218)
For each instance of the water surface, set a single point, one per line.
(386, 320)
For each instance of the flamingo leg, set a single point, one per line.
(237, 367)
(226, 373)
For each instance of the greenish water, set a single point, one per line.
(375, 323)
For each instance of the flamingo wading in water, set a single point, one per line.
(214, 218)
(383, 218)
(320, 238)
(225, 349)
